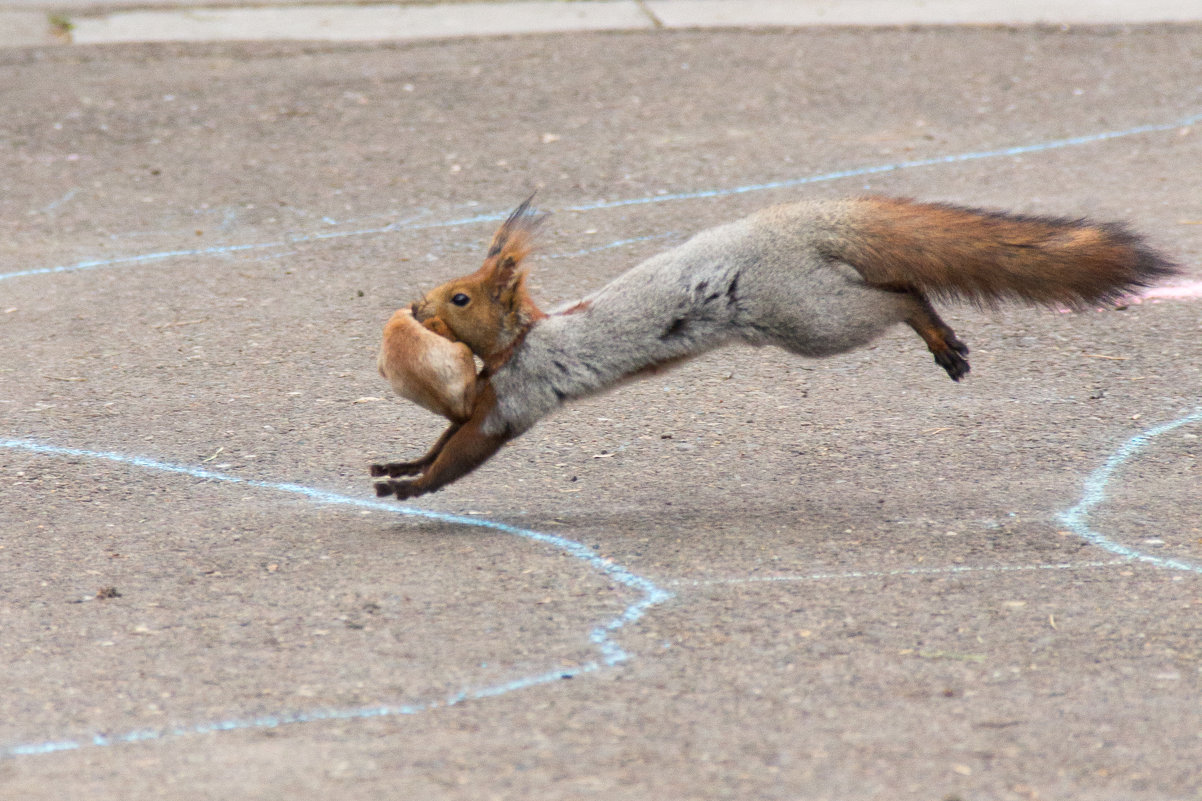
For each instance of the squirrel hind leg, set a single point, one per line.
(942, 341)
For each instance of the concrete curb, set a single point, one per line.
(797, 13)
(405, 22)
(24, 28)
(338, 23)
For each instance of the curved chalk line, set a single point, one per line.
(601, 635)
(411, 225)
(1076, 518)
(611, 653)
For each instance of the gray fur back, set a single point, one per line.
(761, 280)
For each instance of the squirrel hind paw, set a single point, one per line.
(953, 362)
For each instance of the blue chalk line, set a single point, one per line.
(601, 635)
(1076, 519)
(411, 225)
(618, 243)
(221, 250)
(611, 653)
(1018, 150)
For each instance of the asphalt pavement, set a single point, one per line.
(755, 576)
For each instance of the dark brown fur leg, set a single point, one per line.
(412, 468)
(459, 451)
(948, 350)
(465, 451)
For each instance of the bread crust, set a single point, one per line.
(433, 371)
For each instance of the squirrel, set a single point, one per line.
(815, 278)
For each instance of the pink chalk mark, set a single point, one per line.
(1193, 289)
(1188, 291)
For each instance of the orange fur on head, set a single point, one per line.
(490, 309)
(514, 240)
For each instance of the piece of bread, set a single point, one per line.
(428, 369)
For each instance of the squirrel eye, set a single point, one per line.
(460, 299)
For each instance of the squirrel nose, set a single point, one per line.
(424, 310)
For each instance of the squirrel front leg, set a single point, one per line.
(460, 450)
(415, 466)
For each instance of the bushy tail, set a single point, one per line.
(987, 257)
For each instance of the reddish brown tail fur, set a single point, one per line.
(986, 257)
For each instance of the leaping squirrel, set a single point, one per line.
(814, 278)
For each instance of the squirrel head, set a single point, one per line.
(490, 309)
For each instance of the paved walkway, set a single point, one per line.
(40, 22)
(886, 585)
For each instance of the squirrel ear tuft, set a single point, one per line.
(514, 240)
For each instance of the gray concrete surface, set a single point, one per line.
(874, 593)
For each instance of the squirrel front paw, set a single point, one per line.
(402, 490)
(398, 469)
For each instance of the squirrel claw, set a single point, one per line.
(952, 358)
(402, 490)
(954, 363)
(396, 469)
